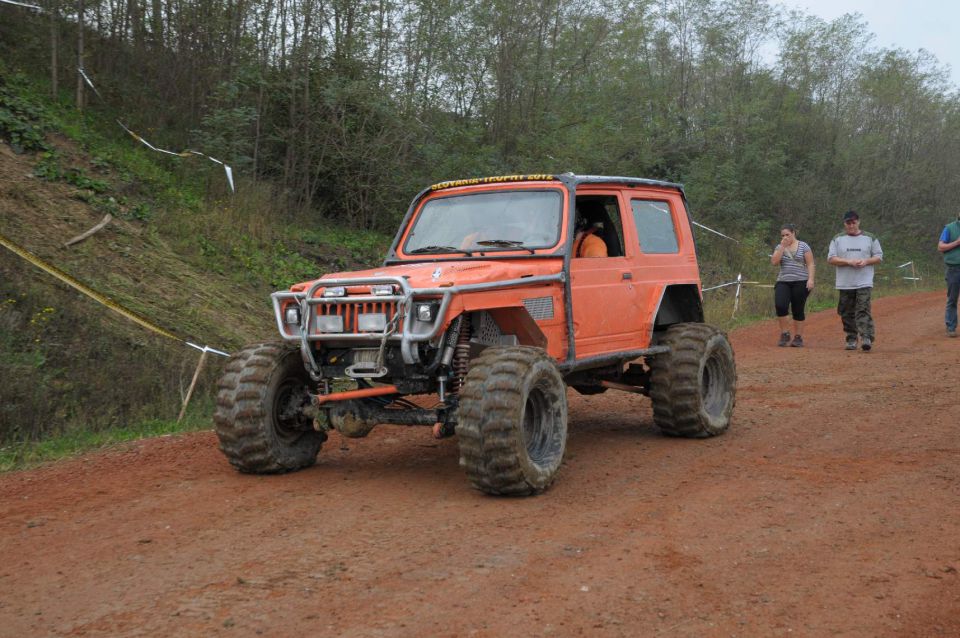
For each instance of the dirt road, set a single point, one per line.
(830, 508)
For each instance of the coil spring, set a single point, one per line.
(461, 357)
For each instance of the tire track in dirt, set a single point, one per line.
(827, 509)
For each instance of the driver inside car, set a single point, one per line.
(587, 241)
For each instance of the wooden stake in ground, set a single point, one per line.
(79, 238)
(193, 384)
(736, 299)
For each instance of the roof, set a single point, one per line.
(567, 178)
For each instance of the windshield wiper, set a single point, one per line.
(504, 243)
(439, 249)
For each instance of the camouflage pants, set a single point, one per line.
(854, 311)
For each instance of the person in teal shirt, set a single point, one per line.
(949, 245)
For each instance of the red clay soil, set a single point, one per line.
(830, 508)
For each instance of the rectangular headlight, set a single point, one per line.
(329, 323)
(371, 322)
(425, 311)
(335, 291)
(383, 290)
(291, 315)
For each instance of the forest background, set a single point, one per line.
(333, 113)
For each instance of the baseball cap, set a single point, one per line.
(850, 214)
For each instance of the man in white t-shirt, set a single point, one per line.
(854, 253)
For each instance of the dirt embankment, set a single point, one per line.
(829, 508)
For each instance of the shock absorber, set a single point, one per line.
(461, 357)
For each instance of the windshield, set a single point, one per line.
(484, 222)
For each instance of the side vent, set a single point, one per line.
(539, 307)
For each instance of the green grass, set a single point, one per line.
(26, 114)
(24, 455)
(111, 148)
(364, 247)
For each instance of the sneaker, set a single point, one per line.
(784, 339)
(867, 344)
(951, 333)
(851, 344)
(797, 342)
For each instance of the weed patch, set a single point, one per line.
(22, 455)
(23, 122)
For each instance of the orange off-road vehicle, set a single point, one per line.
(486, 307)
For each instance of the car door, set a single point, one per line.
(665, 256)
(605, 313)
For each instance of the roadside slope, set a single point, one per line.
(825, 510)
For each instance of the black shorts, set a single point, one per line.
(791, 295)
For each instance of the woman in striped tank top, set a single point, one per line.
(794, 283)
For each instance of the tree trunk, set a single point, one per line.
(80, 27)
(156, 23)
(54, 48)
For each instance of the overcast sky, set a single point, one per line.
(933, 25)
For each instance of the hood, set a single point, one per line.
(449, 273)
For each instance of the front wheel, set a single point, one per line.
(694, 386)
(260, 417)
(512, 422)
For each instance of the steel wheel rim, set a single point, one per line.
(289, 423)
(539, 435)
(713, 392)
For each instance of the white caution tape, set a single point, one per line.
(145, 142)
(729, 283)
(715, 232)
(186, 153)
(21, 4)
(734, 283)
(226, 168)
(207, 349)
(86, 79)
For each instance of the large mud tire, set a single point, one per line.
(512, 423)
(258, 419)
(693, 387)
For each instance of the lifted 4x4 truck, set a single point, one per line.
(484, 308)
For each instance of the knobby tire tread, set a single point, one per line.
(242, 421)
(491, 405)
(675, 382)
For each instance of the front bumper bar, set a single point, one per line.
(413, 331)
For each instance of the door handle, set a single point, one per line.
(628, 275)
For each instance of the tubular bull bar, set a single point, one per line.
(413, 331)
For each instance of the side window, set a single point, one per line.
(600, 216)
(654, 226)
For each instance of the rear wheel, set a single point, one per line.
(693, 387)
(512, 421)
(260, 418)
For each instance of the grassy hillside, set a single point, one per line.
(200, 266)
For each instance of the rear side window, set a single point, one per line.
(654, 225)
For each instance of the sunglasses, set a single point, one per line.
(851, 221)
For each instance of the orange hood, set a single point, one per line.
(449, 273)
